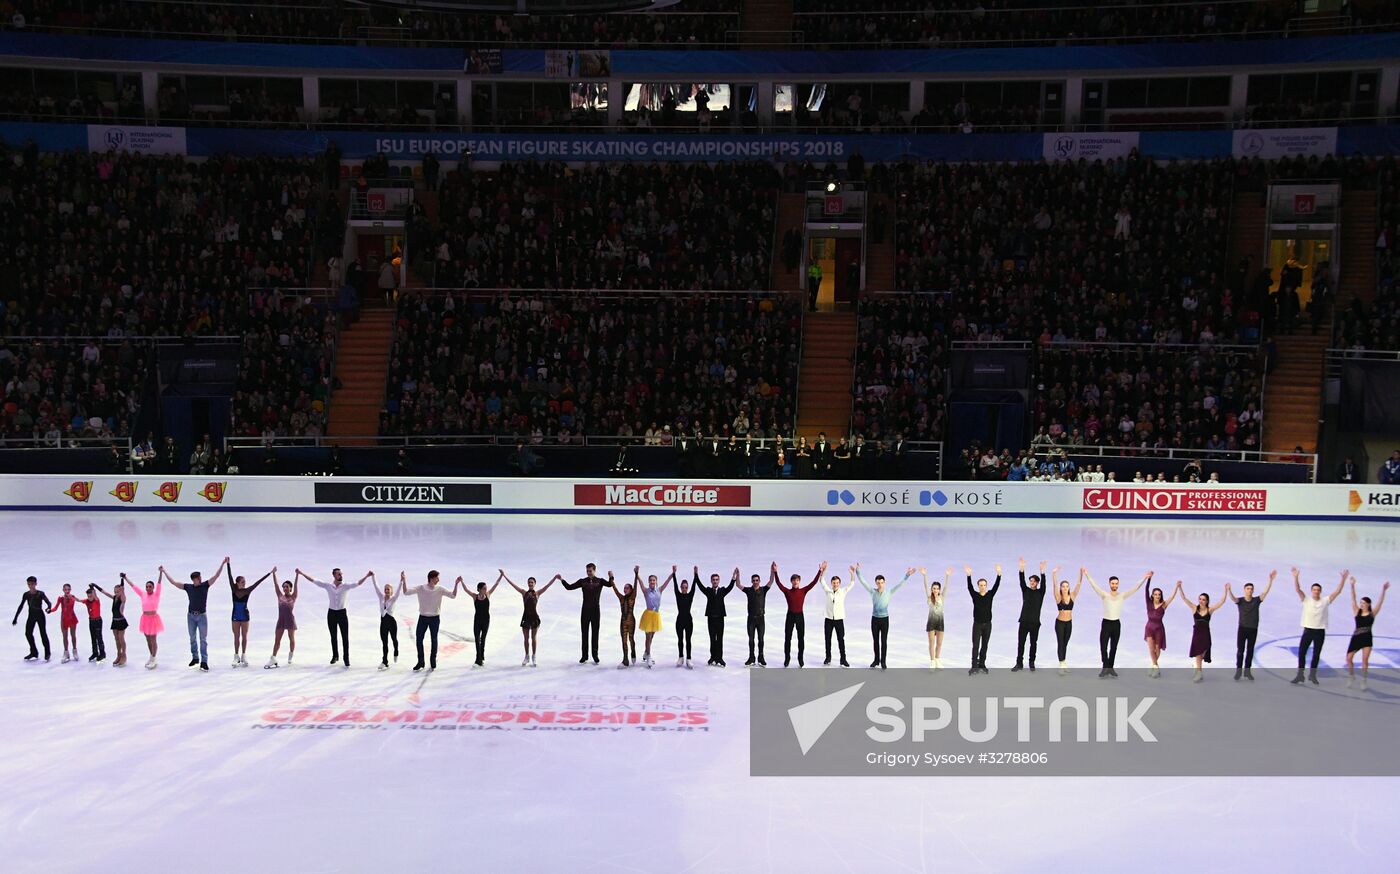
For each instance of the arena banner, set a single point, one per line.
(1284, 142)
(1088, 147)
(770, 497)
(136, 138)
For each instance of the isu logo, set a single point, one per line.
(168, 492)
(213, 492)
(1209, 500)
(79, 491)
(660, 496)
(124, 492)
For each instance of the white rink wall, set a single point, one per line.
(772, 497)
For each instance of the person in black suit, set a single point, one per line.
(714, 612)
(897, 452)
(860, 458)
(1348, 472)
(590, 616)
(821, 457)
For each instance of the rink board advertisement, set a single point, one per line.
(775, 497)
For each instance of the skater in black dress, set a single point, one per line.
(530, 619)
(1361, 638)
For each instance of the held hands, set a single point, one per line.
(823, 566)
(910, 572)
(610, 576)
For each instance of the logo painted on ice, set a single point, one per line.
(125, 491)
(844, 496)
(79, 491)
(168, 492)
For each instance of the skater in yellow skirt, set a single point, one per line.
(651, 616)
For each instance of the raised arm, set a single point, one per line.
(1084, 575)
(821, 571)
(996, 584)
(1340, 585)
(1185, 601)
(260, 579)
(511, 584)
(1354, 606)
(1270, 586)
(1146, 578)
(223, 565)
(1380, 602)
(545, 587)
(162, 575)
(855, 574)
(1218, 604)
(491, 591)
(968, 570)
(369, 575)
(403, 585)
(1297, 585)
(456, 586)
(907, 574)
(666, 584)
(1079, 584)
(1231, 595)
(1021, 571)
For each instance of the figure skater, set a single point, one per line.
(1111, 629)
(651, 616)
(1028, 625)
(982, 598)
(337, 620)
(1201, 612)
(530, 617)
(685, 623)
(933, 596)
(197, 619)
(388, 625)
(1314, 622)
(287, 592)
(119, 623)
(150, 625)
(1361, 638)
(715, 613)
(627, 603)
(1155, 632)
(241, 590)
(1248, 631)
(67, 621)
(590, 611)
(94, 612)
(880, 612)
(796, 621)
(756, 594)
(1064, 617)
(36, 602)
(481, 619)
(429, 612)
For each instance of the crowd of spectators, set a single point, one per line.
(689, 23)
(284, 377)
(1374, 325)
(26, 104)
(59, 391)
(924, 24)
(1044, 462)
(657, 226)
(126, 245)
(555, 368)
(1059, 255)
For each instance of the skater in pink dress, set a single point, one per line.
(68, 621)
(150, 614)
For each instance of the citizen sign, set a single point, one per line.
(461, 494)
(648, 495)
(1147, 499)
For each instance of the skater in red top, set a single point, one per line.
(67, 621)
(796, 595)
(94, 612)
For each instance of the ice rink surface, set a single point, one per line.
(257, 770)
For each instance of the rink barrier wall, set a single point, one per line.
(662, 496)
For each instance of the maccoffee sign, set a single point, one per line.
(398, 494)
(1148, 499)
(678, 495)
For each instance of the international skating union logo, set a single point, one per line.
(116, 137)
(1064, 147)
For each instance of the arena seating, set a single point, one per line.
(532, 225)
(555, 367)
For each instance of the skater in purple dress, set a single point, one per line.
(1201, 612)
(1156, 633)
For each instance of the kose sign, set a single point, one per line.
(461, 494)
(661, 496)
(1148, 499)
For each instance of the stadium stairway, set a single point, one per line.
(1293, 394)
(880, 253)
(792, 213)
(824, 391)
(766, 23)
(1247, 231)
(361, 366)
